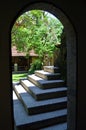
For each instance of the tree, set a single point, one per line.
(37, 30)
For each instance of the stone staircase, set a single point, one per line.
(40, 101)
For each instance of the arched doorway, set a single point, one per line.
(71, 57)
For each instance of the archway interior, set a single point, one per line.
(71, 56)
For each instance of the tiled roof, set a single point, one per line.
(32, 53)
(15, 52)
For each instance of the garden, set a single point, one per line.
(37, 30)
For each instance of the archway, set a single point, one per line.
(71, 57)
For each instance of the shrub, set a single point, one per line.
(36, 65)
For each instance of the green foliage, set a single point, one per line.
(36, 65)
(37, 30)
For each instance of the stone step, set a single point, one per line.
(14, 96)
(45, 84)
(41, 94)
(47, 75)
(51, 69)
(61, 126)
(38, 121)
(34, 107)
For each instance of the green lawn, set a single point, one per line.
(17, 77)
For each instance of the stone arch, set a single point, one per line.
(71, 56)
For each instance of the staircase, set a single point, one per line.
(40, 101)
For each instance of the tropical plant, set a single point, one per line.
(38, 30)
(36, 65)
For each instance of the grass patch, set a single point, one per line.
(17, 77)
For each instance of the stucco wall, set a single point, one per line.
(75, 10)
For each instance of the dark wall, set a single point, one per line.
(61, 57)
(76, 12)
